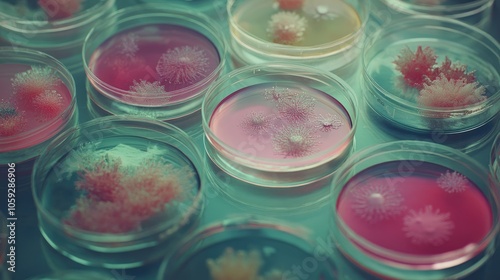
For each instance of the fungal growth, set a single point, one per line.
(11, 122)
(321, 9)
(256, 123)
(452, 182)
(289, 122)
(240, 265)
(296, 106)
(129, 45)
(290, 4)
(60, 9)
(183, 65)
(428, 226)
(28, 85)
(294, 140)
(145, 92)
(328, 122)
(287, 28)
(36, 96)
(49, 103)
(376, 203)
(448, 85)
(417, 66)
(451, 93)
(117, 197)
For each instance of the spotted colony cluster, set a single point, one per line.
(423, 226)
(448, 85)
(35, 91)
(294, 126)
(117, 198)
(288, 25)
(179, 66)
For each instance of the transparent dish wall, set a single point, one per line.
(54, 27)
(495, 159)
(38, 102)
(279, 125)
(117, 192)
(325, 34)
(154, 61)
(414, 210)
(248, 248)
(427, 73)
(473, 12)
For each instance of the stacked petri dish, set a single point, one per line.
(155, 61)
(118, 191)
(325, 34)
(55, 27)
(414, 210)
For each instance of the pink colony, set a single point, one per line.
(452, 72)
(296, 106)
(49, 104)
(428, 226)
(183, 65)
(450, 93)
(119, 200)
(287, 28)
(11, 125)
(60, 9)
(375, 203)
(295, 140)
(453, 182)
(416, 67)
(30, 84)
(290, 4)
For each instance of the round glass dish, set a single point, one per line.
(414, 210)
(52, 26)
(191, 124)
(215, 9)
(473, 12)
(249, 248)
(325, 34)
(427, 73)
(153, 61)
(495, 159)
(117, 192)
(37, 102)
(279, 125)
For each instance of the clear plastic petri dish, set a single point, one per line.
(325, 34)
(495, 159)
(37, 103)
(215, 9)
(414, 210)
(55, 27)
(473, 12)
(425, 74)
(118, 191)
(153, 60)
(249, 248)
(279, 125)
